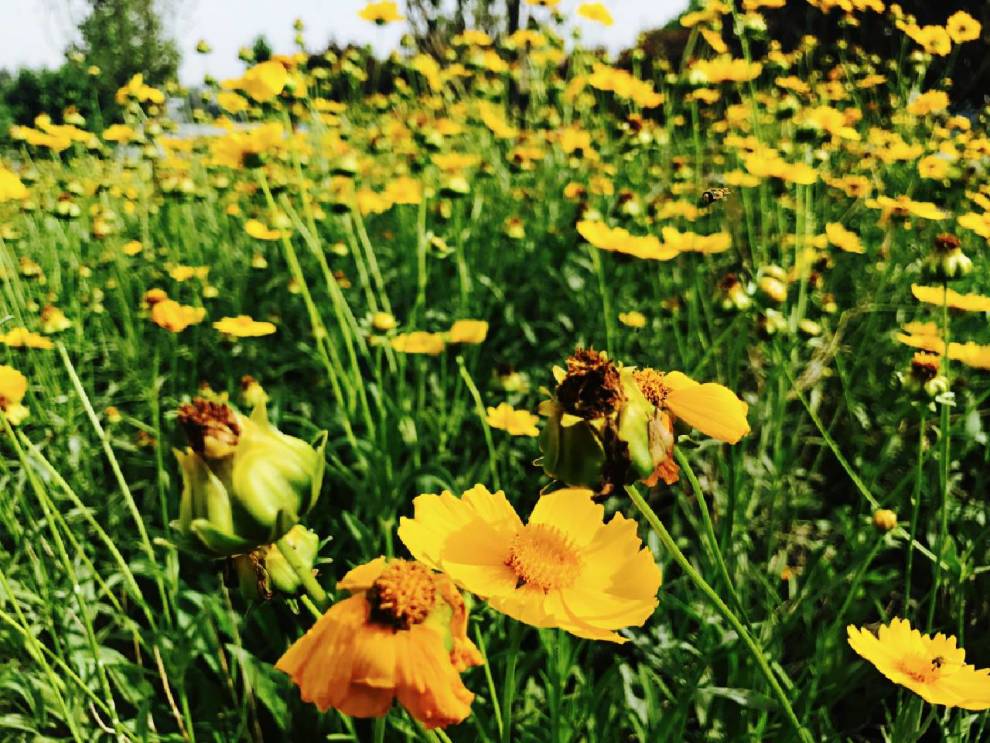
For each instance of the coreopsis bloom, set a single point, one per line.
(175, 317)
(467, 331)
(962, 27)
(11, 187)
(610, 425)
(418, 341)
(595, 12)
(24, 338)
(262, 82)
(564, 568)
(633, 319)
(381, 13)
(843, 239)
(402, 634)
(383, 321)
(244, 482)
(119, 133)
(53, 320)
(13, 386)
(245, 148)
(722, 70)
(515, 422)
(244, 326)
(260, 231)
(931, 667)
(616, 239)
(939, 295)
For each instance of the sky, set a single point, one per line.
(34, 33)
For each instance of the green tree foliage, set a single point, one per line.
(27, 93)
(124, 38)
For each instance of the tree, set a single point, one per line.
(124, 38)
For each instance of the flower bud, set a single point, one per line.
(884, 519)
(947, 260)
(245, 483)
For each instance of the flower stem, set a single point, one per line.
(668, 542)
(706, 517)
(305, 574)
(509, 687)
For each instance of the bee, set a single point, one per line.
(937, 662)
(717, 193)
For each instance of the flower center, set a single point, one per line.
(403, 595)
(211, 427)
(922, 669)
(542, 556)
(651, 384)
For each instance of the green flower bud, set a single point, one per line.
(245, 483)
(306, 543)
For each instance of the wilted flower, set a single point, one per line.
(610, 425)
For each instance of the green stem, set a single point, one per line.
(119, 476)
(596, 260)
(496, 708)
(706, 518)
(480, 405)
(304, 573)
(671, 546)
(943, 471)
(509, 687)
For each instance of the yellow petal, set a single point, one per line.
(711, 408)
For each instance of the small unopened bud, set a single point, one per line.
(884, 519)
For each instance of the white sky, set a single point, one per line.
(34, 33)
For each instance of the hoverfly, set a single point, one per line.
(716, 193)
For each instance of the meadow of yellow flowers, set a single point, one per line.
(522, 395)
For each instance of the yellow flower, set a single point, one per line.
(24, 338)
(962, 27)
(402, 634)
(53, 320)
(565, 568)
(261, 231)
(933, 167)
(13, 386)
(515, 422)
(381, 13)
(690, 242)
(468, 331)
(232, 102)
(595, 12)
(723, 69)
(931, 667)
(383, 321)
(131, 248)
(119, 133)
(175, 317)
(843, 239)
(929, 102)
(262, 82)
(184, 273)
(10, 186)
(619, 240)
(938, 295)
(418, 341)
(243, 326)
(633, 319)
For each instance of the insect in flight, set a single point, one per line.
(716, 193)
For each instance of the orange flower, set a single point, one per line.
(175, 317)
(402, 635)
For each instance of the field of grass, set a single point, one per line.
(805, 228)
